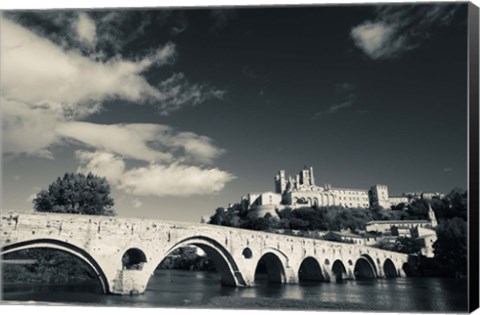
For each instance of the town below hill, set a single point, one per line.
(433, 231)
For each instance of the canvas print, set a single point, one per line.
(280, 158)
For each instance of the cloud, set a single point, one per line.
(48, 88)
(144, 142)
(398, 29)
(45, 89)
(175, 179)
(177, 93)
(180, 24)
(36, 71)
(85, 29)
(378, 39)
(101, 163)
(345, 93)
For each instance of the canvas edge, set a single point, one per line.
(473, 113)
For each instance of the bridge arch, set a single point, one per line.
(64, 247)
(310, 270)
(133, 258)
(220, 256)
(338, 269)
(273, 267)
(365, 267)
(389, 269)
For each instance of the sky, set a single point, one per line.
(184, 111)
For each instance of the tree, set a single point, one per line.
(451, 245)
(407, 245)
(76, 193)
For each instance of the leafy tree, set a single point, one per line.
(267, 223)
(451, 246)
(76, 193)
(407, 245)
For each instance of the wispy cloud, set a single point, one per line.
(180, 24)
(176, 92)
(345, 93)
(398, 29)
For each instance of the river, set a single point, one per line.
(196, 289)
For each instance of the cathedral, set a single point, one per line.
(301, 191)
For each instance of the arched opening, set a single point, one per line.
(45, 265)
(364, 269)
(339, 270)
(247, 253)
(372, 263)
(196, 261)
(389, 269)
(133, 259)
(310, 270)
(269, 270)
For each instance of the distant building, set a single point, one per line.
(301, 191)
(423, 230)
(359, 239)
(379, 196)
(396, 200)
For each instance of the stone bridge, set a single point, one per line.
(124, 252)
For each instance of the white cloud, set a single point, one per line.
(102, 164)
(145, 142)
(376, 39)
(36, 71)
(85, 29)
(173, 180)
(398, 29)
(129, 140)
(45, 89)
(154, 179)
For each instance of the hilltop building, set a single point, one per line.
(302, 191)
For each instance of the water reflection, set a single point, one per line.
(173, 288)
